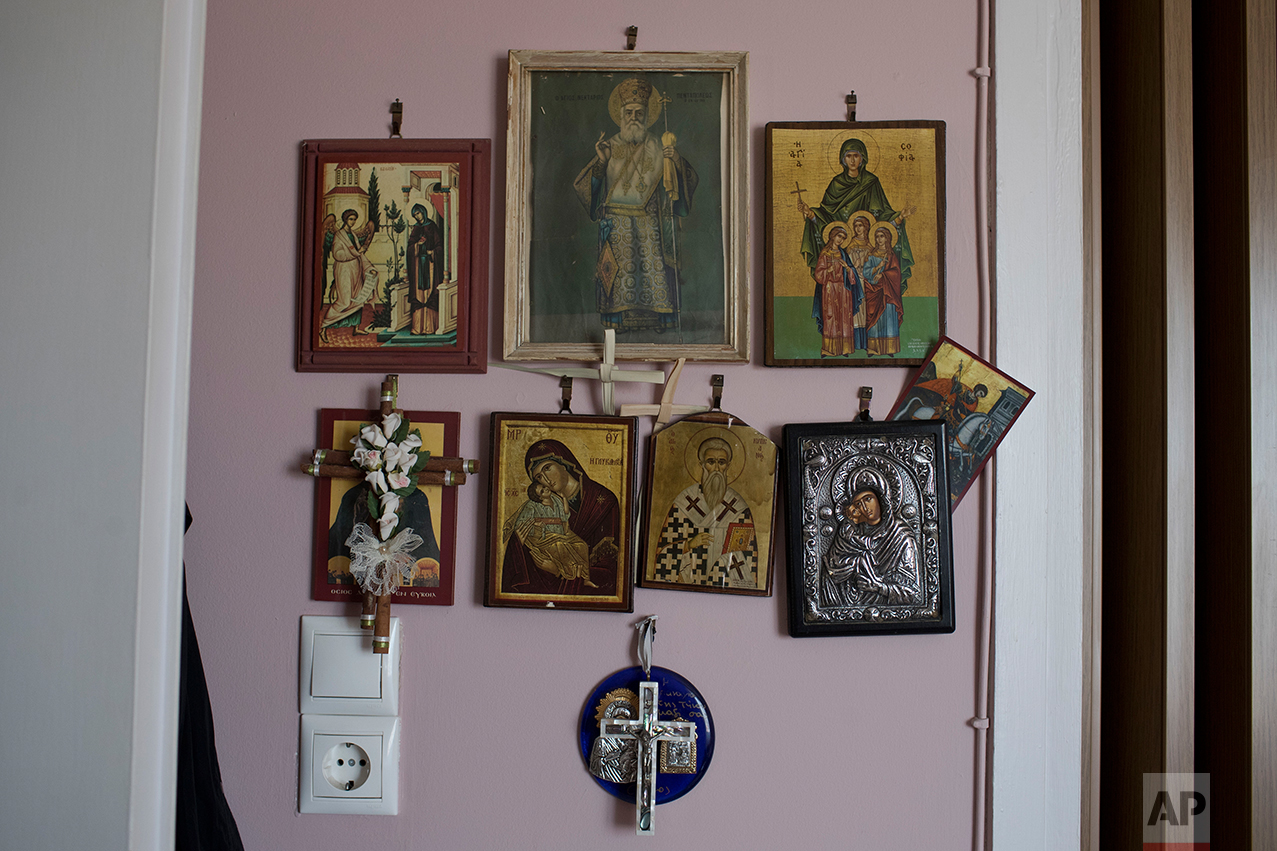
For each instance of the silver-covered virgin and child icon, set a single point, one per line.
(868, 529)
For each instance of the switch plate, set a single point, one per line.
(340, 675)
(349, 764)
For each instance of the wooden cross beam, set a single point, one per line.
(648, 731)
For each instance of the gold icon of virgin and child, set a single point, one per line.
(561, 512)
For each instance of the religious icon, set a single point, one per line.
(430, 510)
(612, 760)
(560, 512)
(710, 507)
(977, 403)
(646, 734)
(855, 242)
(868, 529)
(394, 255)
(626, 199)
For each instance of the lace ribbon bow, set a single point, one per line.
(381, 567)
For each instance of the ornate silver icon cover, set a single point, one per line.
(868, 528)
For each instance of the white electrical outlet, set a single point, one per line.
(349, 764)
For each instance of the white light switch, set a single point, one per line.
(339, 673)
(344, 666)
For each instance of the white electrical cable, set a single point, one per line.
(984, 613)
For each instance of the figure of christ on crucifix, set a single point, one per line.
(647, 731)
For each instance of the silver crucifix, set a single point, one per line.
(647, 731)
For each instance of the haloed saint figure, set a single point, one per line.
(708, 535)
(354, 277)
(563, 538)
(425, 271)
(637, 186)
(856, 218)
(873, 560)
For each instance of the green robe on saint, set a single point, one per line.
(847, 195)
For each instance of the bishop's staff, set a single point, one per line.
(670, 181)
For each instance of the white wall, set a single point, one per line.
(92, 159)
(1041, 538)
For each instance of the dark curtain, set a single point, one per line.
(204, 819)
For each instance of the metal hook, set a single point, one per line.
(851, 106)
(716, 381)
(866, 396)
(565, 406)
(396, 119)
(631, 37)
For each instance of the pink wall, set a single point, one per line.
(831, 742)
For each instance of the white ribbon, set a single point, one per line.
(647, 635)
(378, 567)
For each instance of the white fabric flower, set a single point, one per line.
(360, 456)
(390, 424)
(378, 481)
(372, 460)
(387, 523)
(394, 456)
(407, 461)
(397, 481)
(372, 436)
(389, 502)
(411, 442)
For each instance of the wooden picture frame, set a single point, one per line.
(561, 512)
(655, 246)
(390, 288)
(338, 505)
(978, 403)
(696, 538)
(870, 547)
(890, 310)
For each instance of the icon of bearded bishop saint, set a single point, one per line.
(708, 534)
(637, 187)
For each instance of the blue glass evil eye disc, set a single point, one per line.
(679, 701)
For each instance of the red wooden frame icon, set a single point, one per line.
(424, 590)
(468, 183)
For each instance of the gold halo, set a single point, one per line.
(873, 229)
(693, 464)
(851, 223)
(622, 694)
(654, 103)
(844, 225)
